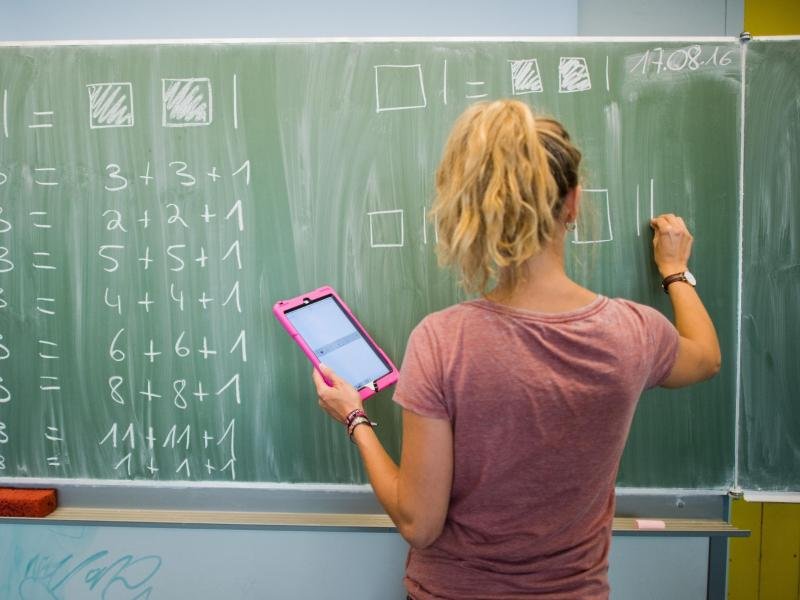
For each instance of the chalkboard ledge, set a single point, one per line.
(325, 499)
(293, 520)
(763, 496)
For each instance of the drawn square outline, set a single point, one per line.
(581, 60)
(164, 120)
(537, 80)
(89, 87)
(576, 237)
(372, 228)
(379, 108)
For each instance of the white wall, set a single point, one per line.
(87, 563)
(110, 19)
(660, 17)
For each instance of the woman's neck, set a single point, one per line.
(543, 286)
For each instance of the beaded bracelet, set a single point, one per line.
(356, 422)
(359, 412)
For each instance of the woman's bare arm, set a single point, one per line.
(415, 495)
(699, 357)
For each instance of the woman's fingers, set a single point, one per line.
(672, 243)
(319, 382)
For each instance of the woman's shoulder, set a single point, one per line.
(608, 310)
(444, 323)
(451, 315)
(650, 323)
(635, 309)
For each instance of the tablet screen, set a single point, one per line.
(337, 342)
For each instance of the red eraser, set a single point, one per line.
(16, 502)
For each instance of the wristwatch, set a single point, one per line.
(685, 276)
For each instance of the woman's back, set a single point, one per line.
(515, 421)
(540, 406)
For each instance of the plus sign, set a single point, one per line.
(150, 437)
(152, 353)
(204, 350)
(149, 393)
(202, 258)
(200, 394)
(214, 176)
(146, 302)
(204, 300)
(207, 216)
(151, 467)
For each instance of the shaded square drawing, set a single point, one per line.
(573, 75)
(525, 77)
(186, 102)
(399, 87)
(110, 105)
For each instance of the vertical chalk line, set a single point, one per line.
(235, 105)
(608, 85)
(444, 80)
(740, 281)
(5, 112)
(638, 217)
(652, 212)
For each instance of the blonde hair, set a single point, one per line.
(500, 187)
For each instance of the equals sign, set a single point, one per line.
(45, 302)
(49, 383)
(40, 213)
(52, 434)
(41, 255)
(41, 113)
(47, 345)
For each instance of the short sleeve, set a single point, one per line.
(419, 387)
(663, 340)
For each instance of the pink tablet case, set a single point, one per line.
(282, 306)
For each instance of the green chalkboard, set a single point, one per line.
(157, 199)
(769, 449)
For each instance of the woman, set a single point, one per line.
(517, 405)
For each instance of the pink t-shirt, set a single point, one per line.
(540, 406)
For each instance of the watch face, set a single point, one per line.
(690, 278)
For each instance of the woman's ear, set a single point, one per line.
(572, 204)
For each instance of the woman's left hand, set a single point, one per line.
(339, 399)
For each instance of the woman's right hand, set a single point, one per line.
(672, 244)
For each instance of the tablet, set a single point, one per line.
(328, 332)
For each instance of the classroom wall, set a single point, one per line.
(87, 563)
(660, 18)
(669, 568)
(93, 19)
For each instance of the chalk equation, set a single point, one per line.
(400, 87)
(183, 259)
(178, 254)
(184, 441)
(387, 228)
(184, 101)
